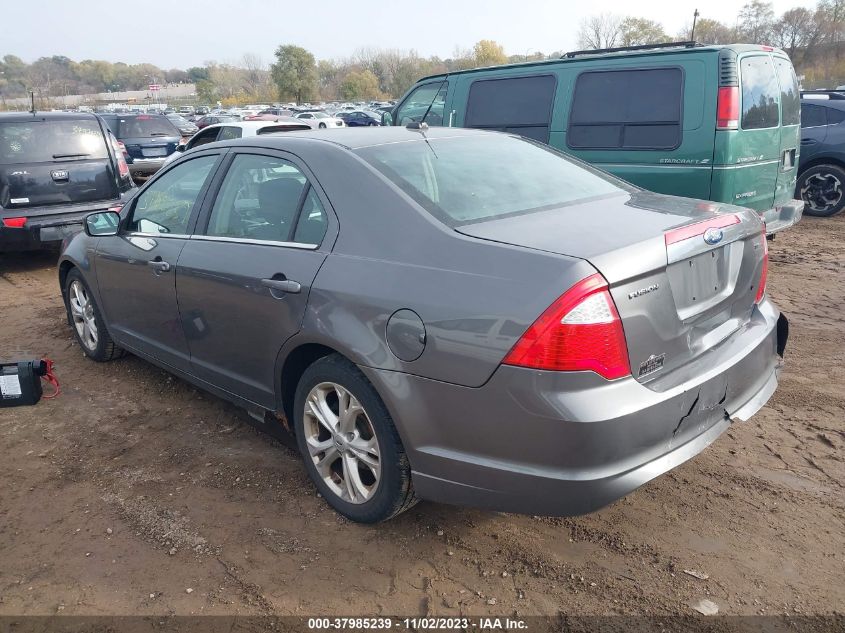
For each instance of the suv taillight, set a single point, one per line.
(727, 108)
(581, 331)
(121, 153)
(764, 274)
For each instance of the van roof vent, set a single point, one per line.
(728, 75)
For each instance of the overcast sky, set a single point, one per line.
(184, 33)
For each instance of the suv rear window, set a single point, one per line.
(47, 141)
(522, 105)
(790, 98)
(627, 109)
(475, 178)
(142, 126)
(760, 92)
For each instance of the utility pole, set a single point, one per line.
(694, 18)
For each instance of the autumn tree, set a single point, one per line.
(639, 31)
(295, 73)
(488, 53)
(360, 84)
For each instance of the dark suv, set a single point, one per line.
(146, 140)
(55, 168)
(821, 169)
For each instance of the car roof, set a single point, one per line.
(46, 116)
(356, 137)
(580, 56)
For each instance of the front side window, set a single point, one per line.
(166, 205)
(418, 103)
(627, 109)
(790, 97)
(522, 105)
(474, 178)
(261, 199)
(760, 93)
(206, 136)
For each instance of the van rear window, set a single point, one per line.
(760, 93)
(627, 109)
(48, 141)
(790, 98)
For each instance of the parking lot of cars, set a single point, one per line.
(386, 302)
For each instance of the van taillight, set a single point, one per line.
(14, 223)
(764, 273)
(727, 108)
(581, 331)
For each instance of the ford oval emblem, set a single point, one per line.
(713, 236)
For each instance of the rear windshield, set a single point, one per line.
(760, 93)
(790, 97)
(143, 126)
(48, 141)
(461, 180)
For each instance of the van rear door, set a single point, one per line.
(748, 159)
(790, 130)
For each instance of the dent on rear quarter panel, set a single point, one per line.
(475, 297)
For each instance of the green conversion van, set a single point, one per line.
(719, 123)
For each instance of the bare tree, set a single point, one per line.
(756, 22)
(603, 30)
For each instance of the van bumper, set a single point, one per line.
(782, 217)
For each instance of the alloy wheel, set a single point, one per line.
(822, 191)
(342, 442)
(82, 313)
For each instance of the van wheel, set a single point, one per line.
(822, 188)
(88, 325)
(349, 444)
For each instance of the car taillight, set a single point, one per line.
(764, 274)
(121, 153)
(727, 108)
(14, 223)
(581, 331)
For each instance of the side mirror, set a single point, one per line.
(387, 118)
(102, 223)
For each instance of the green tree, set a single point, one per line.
(294, 73)
(639, 31)
(488, 53)
(708, 31)
(360, 84)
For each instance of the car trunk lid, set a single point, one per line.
(677, 293)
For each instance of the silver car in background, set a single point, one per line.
(454, 315)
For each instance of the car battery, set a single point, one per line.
(20, 382)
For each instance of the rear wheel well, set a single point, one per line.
(295, 365)
(821, 161)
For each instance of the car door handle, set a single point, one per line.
(808, 141)
(158, 265)
(285, 285)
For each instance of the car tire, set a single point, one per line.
(822, 188)
(85, 318)
(322, 126)
(380, 483)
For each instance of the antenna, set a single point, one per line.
(694, 18)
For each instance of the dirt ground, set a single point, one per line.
(134, 493)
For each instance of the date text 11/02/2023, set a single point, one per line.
(418, 623)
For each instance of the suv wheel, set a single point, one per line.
(822, 188)
(349, 444)
(88, 324)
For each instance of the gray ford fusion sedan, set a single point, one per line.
(455, 315)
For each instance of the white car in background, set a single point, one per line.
(320, 120)
(237, 129)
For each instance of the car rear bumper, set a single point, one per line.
(566, 443)
(782, 217)
(145, 167)
(47, 228)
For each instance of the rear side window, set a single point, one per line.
(813, 115)
(272, 129)
(146, 126)
(522, 105)
(51, 141)
(627, 109)
(834, 116)
(790, 99)
(760, 92)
